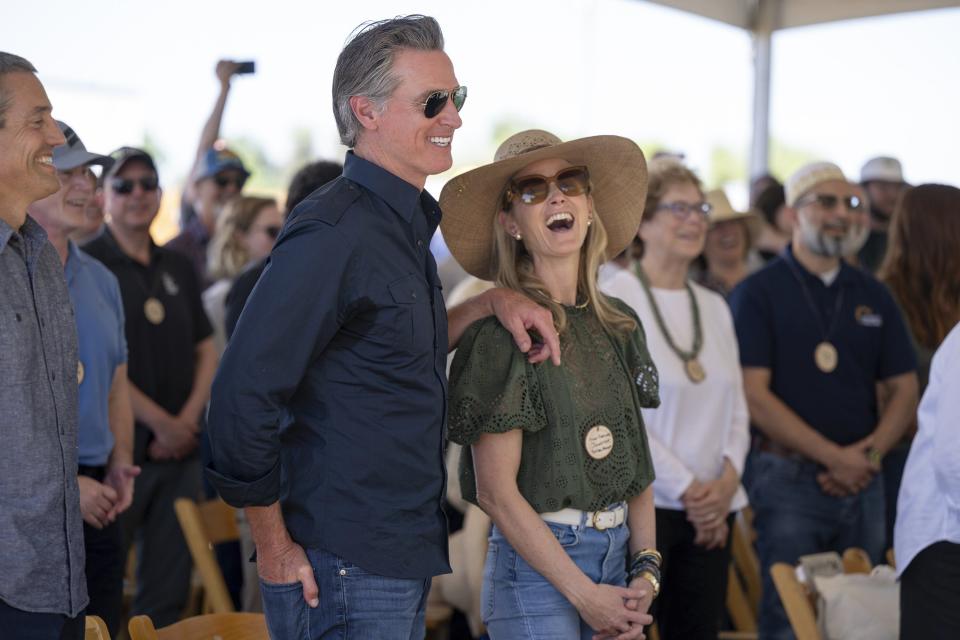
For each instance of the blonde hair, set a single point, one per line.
(514, 270)
(226, 255)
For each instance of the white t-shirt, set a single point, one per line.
(928, 509)
(215, 304)
(697, 426)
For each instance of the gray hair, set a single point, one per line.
(364, 67)
(10, 63)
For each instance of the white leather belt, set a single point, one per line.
(599, 520)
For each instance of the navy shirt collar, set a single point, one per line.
(403, 197)
(844, 276)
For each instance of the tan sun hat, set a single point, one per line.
(722, 211)
(618, 173)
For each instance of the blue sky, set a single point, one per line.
(843, 92)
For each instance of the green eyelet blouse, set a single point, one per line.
(604, 380)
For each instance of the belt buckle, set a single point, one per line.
(603, 520)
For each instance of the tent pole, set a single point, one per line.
(760, 144)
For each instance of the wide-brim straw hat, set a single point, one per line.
(470, 201)
(723, 211)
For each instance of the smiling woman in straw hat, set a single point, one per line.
(557, 456)
(730, 236)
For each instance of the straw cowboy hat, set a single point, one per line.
(722, 211)
(471, 201)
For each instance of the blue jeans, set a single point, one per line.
(793, 517)
(520, 604)
(354, 604)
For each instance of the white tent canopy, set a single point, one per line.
(762, 17)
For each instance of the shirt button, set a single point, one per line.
(343, 572)
(413, 294)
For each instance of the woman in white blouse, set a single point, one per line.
(699, 435)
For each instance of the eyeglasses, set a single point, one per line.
(125, 186)
(225, 181)
(533, 189)
(437, 100)
(682, 210)
(829, 201)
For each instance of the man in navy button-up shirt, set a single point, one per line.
(328, 413)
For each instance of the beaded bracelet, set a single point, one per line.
(646, 567)
(644, 557)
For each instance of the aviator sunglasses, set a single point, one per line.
(829, 201)
(125, 186)
(437, 100)
(533, 189)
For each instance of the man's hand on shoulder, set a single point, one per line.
(519, 315)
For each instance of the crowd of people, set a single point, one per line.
(637, 361)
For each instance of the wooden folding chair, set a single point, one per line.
(856, 560)
(745, 557)
(95, 629)
(223, 626)
(798, 603)
(205, 525)
(743, 580)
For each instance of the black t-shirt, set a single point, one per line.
(161, 356)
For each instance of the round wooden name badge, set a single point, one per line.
(599, 442)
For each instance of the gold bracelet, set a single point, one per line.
(874, 456)
(648, 552)
(652, 579)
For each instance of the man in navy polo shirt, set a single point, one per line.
(328, 411)
(816, 337)
(105, 426)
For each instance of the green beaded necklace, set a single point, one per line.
(691, 364)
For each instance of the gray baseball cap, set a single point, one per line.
(74, 154)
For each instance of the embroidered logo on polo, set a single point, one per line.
(867, 317)
(169, 284)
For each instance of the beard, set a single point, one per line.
(828, 246)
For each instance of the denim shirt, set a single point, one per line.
(331, 395)
(41, 533)
(103, 347)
